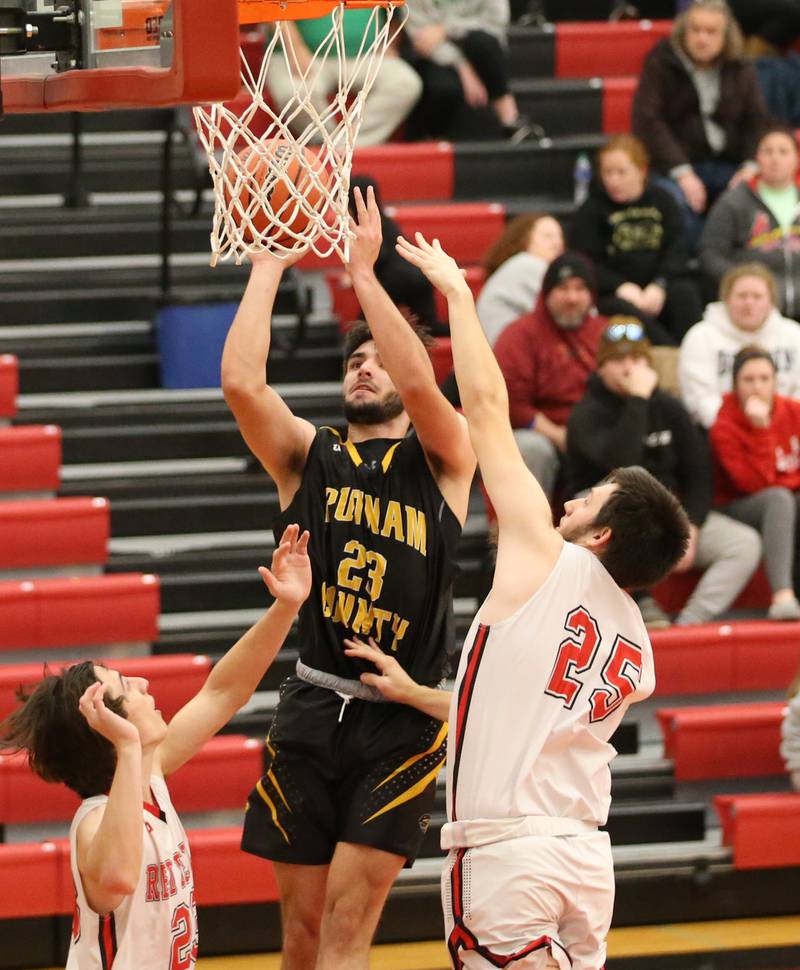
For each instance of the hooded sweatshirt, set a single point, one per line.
(790, 740)
(511, 290)
(748, 458)
(705, 364)
(741, 228)
(545, 367)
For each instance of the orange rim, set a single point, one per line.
(264, 11)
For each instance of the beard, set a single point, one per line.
(574, 533)
(569, 321)
(373, 412)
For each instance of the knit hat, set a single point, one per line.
(622, 336)
(566, 267)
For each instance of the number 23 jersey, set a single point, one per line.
(382, 554)
(539, 695)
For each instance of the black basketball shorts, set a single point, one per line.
(355, 772)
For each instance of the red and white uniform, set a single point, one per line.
(155, 928)
(536, 700)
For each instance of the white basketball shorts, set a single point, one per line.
(529, 903)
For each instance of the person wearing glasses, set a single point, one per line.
(624, 419)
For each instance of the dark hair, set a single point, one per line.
(649, 529)
(778, 129)
(359, 333)
(748, 353)
(60, 744)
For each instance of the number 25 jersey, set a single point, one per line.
(539, 695)
(382, 554)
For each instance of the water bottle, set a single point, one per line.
(582, 176)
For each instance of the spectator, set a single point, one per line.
(744, 315)
(625, 419)
(790, 734)
(760, 220)
(515, 266)
(756, 445)
(396, 89)
(699, 109)
(634, 233)
(405, 284)
(459, 50)
(546, 358)
(770, 25)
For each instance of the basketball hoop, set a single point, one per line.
(312, 167)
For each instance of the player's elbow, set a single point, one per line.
(117, 880)
(238, 388)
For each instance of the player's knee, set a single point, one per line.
(344, 921)
(301, 930)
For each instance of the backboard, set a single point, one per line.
(88, 55)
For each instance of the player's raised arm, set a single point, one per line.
(232, 681)
(278, 438)
(441, 430)
(521, 505)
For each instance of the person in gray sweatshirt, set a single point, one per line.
(759, 220)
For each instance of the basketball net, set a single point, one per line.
(244, 222)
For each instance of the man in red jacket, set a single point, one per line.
(756, 444)
(546, 358)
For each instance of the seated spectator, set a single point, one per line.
(634, 233)
(625, 419)
(515, 266)
(770, 26)
(745, 314)
(546, 358)
(759, 220)
(790, 734)
(405, 284)
(699, 109)
(756, 446)
(459, 50)
(396, 89)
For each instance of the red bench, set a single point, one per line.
(676, 589)
(174, 678)
(725, 741)
(32, 879)
(9, 385)
(86, 611)
(762, 830)
(726, 657)
(220, 776)
(223, 874)
(598, 49)
(30, 457)
(618, 95)
(423, 170)
(54, 532)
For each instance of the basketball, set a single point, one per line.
(269, 184)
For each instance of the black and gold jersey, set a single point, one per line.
(382, 551)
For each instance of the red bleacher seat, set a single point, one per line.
(54, 532)
(32, 879)
(219, 777)
(9, 383)
(762, 830)
(601, 49)
(87, 611)
(423, 170)
(465, 229)
(726, 657)
(442, 358)
(724, 741)
(174, 678)
(618, 95)
(30, 457)
(676, 589)
(223, 874)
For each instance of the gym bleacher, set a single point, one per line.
(132, 520)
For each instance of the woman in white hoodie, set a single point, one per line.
(745, 314)
(790, 734)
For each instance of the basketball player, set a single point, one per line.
(554, 657)
(101, 734)
(351, 779)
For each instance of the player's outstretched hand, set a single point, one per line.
(366, 233)
(102, 719)
(391, 680)
(289, 580)
(442, 270)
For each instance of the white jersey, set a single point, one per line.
(536, 699)
(155, 928)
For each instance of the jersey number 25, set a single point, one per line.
(576, 656)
